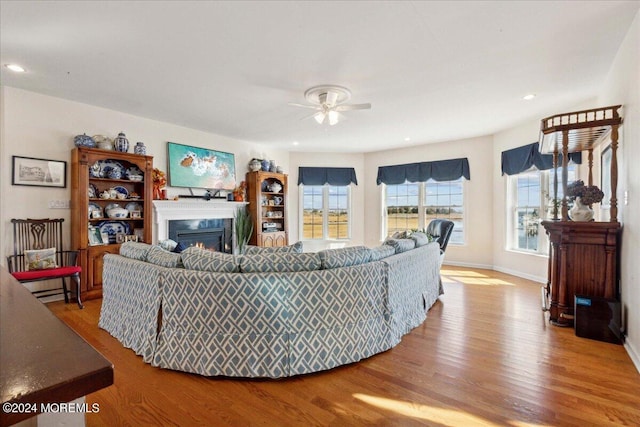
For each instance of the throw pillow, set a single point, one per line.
(382, 252)
(163, 258)
(420, 238)
(279, 262)
(135, 250)
(40, 259)
(401, 245)
(205, 260)
(344, 257)
(252, 250)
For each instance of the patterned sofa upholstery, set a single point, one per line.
(267, 323)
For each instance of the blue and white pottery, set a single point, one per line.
(115, 173)
(272, 166)
(266, 165)
(84, 140)
(121, 143)
(140, 148)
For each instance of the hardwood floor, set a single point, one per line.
(486, 355)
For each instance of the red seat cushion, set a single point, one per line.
(51, 273)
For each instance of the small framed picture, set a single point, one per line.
(120, 237)
(136, 214)
(140, 233)
(39, 172)
(95, 237)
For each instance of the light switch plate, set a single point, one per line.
(59, 204)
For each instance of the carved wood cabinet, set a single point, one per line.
(86, 188)
(583, 261)
(267, 197)
(584, 256)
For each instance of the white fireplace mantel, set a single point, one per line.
(168, 210)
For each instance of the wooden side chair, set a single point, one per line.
(38, 255)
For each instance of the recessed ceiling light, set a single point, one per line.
(407, 139)
(529, 97)
(15, 68)
(296, 143)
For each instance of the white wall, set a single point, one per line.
(35, 125)
(478, 191)
(531, 266)
(338, 160)
(622, 86)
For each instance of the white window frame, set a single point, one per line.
(422, 211)
(325, 213)
(545, 209)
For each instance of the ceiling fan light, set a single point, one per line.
(334, 117)
(319, 116)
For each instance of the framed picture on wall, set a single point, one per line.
(39, 172)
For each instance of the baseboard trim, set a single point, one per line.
(633, 354)
(469, 265)
(516, 273)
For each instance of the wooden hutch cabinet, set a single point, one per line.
(90, 179)
(267, 197)
(584, 257)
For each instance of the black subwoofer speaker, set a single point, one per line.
(598, 318)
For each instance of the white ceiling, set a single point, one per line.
(433, 71)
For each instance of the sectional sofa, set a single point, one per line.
(266, 313)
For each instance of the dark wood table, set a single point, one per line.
(42, 360)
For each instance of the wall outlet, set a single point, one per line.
(59, 204)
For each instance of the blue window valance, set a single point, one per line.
(441, 170)
(520, 159)
(331, 176)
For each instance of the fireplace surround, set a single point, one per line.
(165, 211)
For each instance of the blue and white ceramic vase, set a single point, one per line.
(266, 165)
(121, 143)
(272, 166)
(140, 148)
(84, 140)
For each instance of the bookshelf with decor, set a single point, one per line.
(111, 194)
(267, 197)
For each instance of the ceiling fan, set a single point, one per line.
(329, 102)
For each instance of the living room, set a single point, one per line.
(38, 122)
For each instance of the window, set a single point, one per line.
(326, 212)
(444, 201)
(402, 207)
(530, 201)
(412, 206)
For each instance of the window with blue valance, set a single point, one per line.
(442, 170)
(322, 176)
(518, 160)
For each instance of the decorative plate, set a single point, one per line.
(133, 206)
(112, 228)
(93, 192)
(120, 189)
(134, 173)
(94, 207)
(104, 166)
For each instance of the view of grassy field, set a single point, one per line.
(338, 223)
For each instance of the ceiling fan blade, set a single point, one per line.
(331, 99)
(349, 107)
(320, 117)
(313, 107)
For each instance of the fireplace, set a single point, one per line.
(212, 234)
(189, 210)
